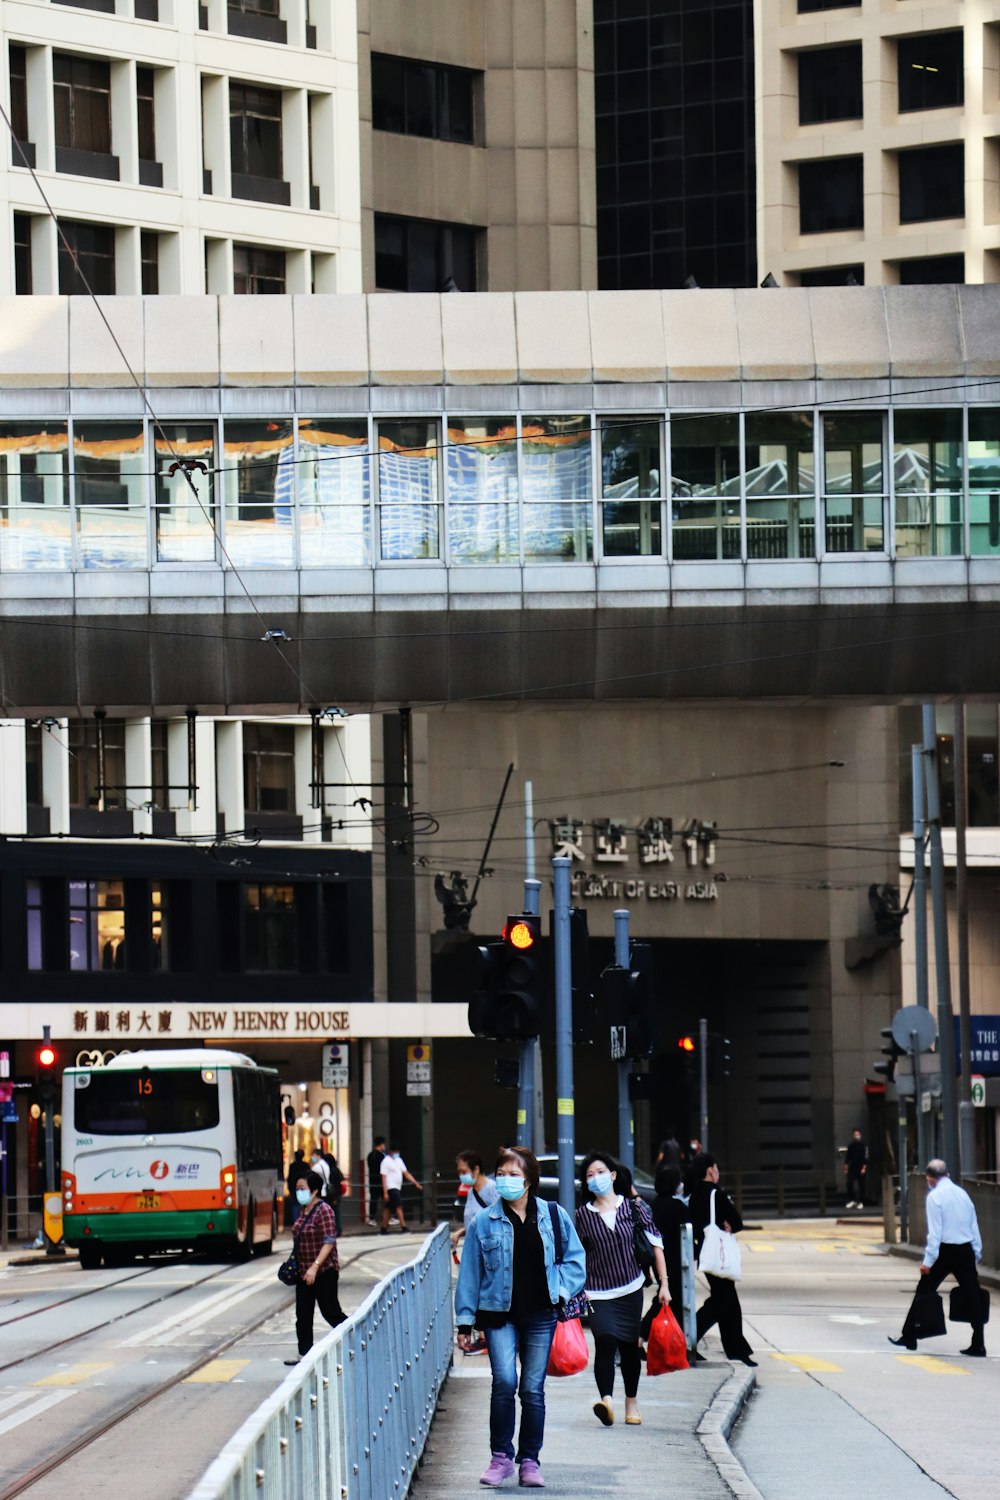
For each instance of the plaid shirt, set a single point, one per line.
(312, 1230)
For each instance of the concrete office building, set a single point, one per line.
(184, 148)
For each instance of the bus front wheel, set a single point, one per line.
(90, 1257)
(265, 1247)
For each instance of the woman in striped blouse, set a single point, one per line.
(615, 1279)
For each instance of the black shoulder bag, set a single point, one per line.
(569, 1307)
(641, 1245)
(288, 1271)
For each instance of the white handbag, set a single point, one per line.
(720, 1254)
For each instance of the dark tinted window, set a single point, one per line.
(258, 272)
(255, 130)
(146, 115)
(18, 96)
(930, 70)
(831, 195)
(22, 254)
(419, 255)
(256, 1106)
(932, 183)
(82, 103)
(930, 269)
(807, 5)
(166, 1101)
(93, 247)
(833, 276)
(830, 85)
(420, 98)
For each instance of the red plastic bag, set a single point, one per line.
(569, 1354)
(666, 1347)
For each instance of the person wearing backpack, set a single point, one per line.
(481, 1190)
(510, 1284)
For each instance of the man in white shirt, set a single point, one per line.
(393, 1170)
(954, 1247)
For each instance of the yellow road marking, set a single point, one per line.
(810, 1363)
(216, 1371)
(826, 1249)
(760, 1249)
(73, 1375)
(931, 1364)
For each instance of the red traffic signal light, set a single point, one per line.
(687, 1044)
(520, 935)
(46, 1056)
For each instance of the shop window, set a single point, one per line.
(831, 195)
(927, 462)
(830, 84)
(984, 481)
(149, 256)
(854, 481)
(833, 276)
(257, 18)
(420, 98)
(932, 270)
(18, 61)
(159, 930)
(255, 142)
(110, 484)
(150, 171)
(557, 489)
(269, 768)
(780, 500)
(97, 764)
(422, 255)
(409, 495)
(35, 517)
(23, 281)
(257, 272)
(631, 512)
(481, 479)
(86, 258)
(931, 72)
(982, 748)
(270, 936)
(258, 462)
(334, 492)
(82, 88)
(186, 517)
(96, 924)
(46, 927)
(705, 487)
(932, 183)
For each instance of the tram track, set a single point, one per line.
(70, 1450)
(90, 1291)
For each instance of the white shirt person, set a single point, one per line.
(393, 1170)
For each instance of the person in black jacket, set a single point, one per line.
(722, 1305)
(856, 1170)
(669, 1211)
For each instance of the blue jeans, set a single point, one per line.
(532, 1340)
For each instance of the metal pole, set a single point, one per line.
(942, 966)
(966, 1111)
(525, 1133)
(904, 1182)
(538, 1098)
(626, 1124)
(565, 1120)
(924, 1152)
(703, 1081)
(918, 1083)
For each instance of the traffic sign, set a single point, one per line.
(978, 1087)
(418, 1065)
(910, 1019)
(336, 1066)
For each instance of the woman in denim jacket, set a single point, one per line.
(510, 1284)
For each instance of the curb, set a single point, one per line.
(715, 1427)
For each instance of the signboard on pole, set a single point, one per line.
(978, 1087)
(336, 1069)
(418, 1070)
(984, 1045)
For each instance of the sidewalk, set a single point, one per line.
(681, 1448)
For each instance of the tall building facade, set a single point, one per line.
(183, 147)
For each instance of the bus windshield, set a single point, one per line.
(168, 1101)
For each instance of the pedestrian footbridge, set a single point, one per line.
(276, 503)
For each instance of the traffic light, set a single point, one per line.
(719, 1057)
(891, 1053)
(46, 1061)
(508, 1005)
(687, 1046)
(627, 996)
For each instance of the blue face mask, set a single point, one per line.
(600, 1184)
(303, 1195)
(466, 1178)
(510, 1187)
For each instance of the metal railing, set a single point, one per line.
(351, 1421)
(986, 1197)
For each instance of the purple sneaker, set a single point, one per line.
(501, 1468)
(531, 1475)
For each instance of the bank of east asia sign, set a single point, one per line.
(674, 863)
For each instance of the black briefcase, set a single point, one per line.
(958, 1311)
(927, 1316)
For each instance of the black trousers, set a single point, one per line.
(323, 1291)
(855, 1187)
(958, 1261)
(722, 1306)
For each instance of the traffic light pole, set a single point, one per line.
(565, 1119)
(525, 1134)
(50, 1150)
(703, 1081)
(924, 1152)
(942, 967)
(626, 1126)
